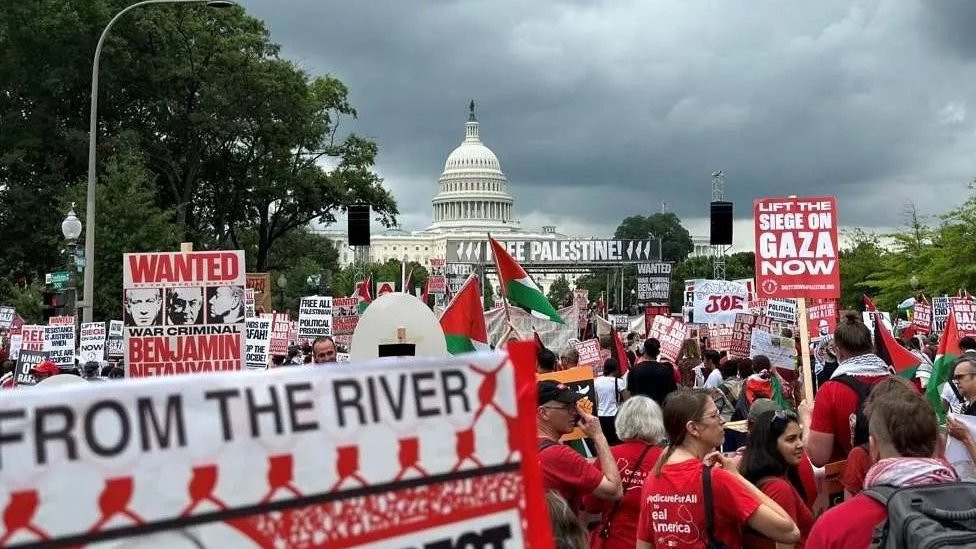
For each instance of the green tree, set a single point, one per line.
(559, 292)
(27, 299)
(676, 241)
(489, 295)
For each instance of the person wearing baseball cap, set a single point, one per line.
(45, 369)
(563, 470)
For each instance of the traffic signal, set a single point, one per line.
(53, 305)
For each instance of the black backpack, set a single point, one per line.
(926, 517)
(859, 431)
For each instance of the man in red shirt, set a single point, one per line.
(834, 411)
(903, 434)
(563, 470)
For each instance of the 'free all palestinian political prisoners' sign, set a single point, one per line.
(284, 458)
(184, 312)
(796, 247)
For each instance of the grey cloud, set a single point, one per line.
(602, 110)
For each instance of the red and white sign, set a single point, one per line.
(385, 288)
(964, 309)
(280, 332)
(345, 315)
(822, 318)
(589, 354)
(32, 338)
(296, 457)
(718, 301)
(720, 336)
(671, 333)
(922, 318)
(184, 312)
(741, 334)
(652, 311)
(796, 247)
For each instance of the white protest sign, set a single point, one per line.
(780, 350)
(940, 312)
(781, 310)
(718, 301)
(92, 342)
(315, 317)
(59, 340)
(6, 317)
(249, 303)
(257, 343)
(295, 457)
(589, 353)
(32, 338)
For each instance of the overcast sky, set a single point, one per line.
(603, 109)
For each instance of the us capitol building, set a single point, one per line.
(473, 200)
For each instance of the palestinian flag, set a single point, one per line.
(463, 321)
(619, 352)
(941, 369)
(901, 359)
(425, 293)
(518, 288)
(362, 292)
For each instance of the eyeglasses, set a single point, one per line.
(959, 377)
(565, 408)
(782, 415)
(713, 415)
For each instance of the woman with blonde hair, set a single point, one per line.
(686, 502)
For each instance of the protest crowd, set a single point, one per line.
(759, 429)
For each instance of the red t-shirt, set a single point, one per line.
(809, 480)
(568, 474)
(832, 412)
(849, 525)
(672, 510)
(782, 492)
(858, 463)
(623, 525)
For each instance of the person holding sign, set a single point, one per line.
(563, 470)
(682, 495)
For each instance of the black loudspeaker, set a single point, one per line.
(721, 234)
(359, 225)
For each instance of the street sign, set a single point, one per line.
(57, 279)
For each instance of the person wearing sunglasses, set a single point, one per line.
(563, 470)
(771, 461)
(678, 510)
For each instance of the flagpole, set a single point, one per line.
(504, 290)
(803, 326)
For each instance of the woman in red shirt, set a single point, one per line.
(771, 462)
(641, 430)
(673, 509)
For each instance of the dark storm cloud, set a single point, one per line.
(599, 110)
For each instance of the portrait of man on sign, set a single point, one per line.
(183, 305)
(226, 304)
(143, 306)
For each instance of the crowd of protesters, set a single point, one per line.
(673, 475)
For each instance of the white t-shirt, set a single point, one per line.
(607, 388)
(714, 379)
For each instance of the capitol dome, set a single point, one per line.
(473, 191)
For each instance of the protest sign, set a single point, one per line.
(869, 321)
(964, 310)
(653, 282)
(718, 301)
(345, 315)
(315, 317)
(796, 247)
(59, 340)
(257, 343)
(115, 343)
(822, 318)
(589, 354)
(436, 281)
(741, 335)
(671, 333)
(940, 312)
(922, 317)
(6, 317)
(249, 310)
(297, 457)
(720, 335)
(33, 338)
(16, 337)
(25, 362)
(620, 323)
(780, 350)
(92, 342)
(782, 310)
(280, 332)
(688, 306)
(261, 284)
(654, 310)
(184, 312)
(581, 299)
(580, 380)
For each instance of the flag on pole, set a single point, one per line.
(362, 292)
(425, 293)
(518, 288)
(901, 359)
(619, 353)
(463, 321)
(948, 352)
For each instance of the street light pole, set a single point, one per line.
(89, 293)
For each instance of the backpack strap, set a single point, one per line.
(881, 494)
(709, 509)
(547, 443)
(605, 529)
(862, 390)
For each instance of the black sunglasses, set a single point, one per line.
(782, 415)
